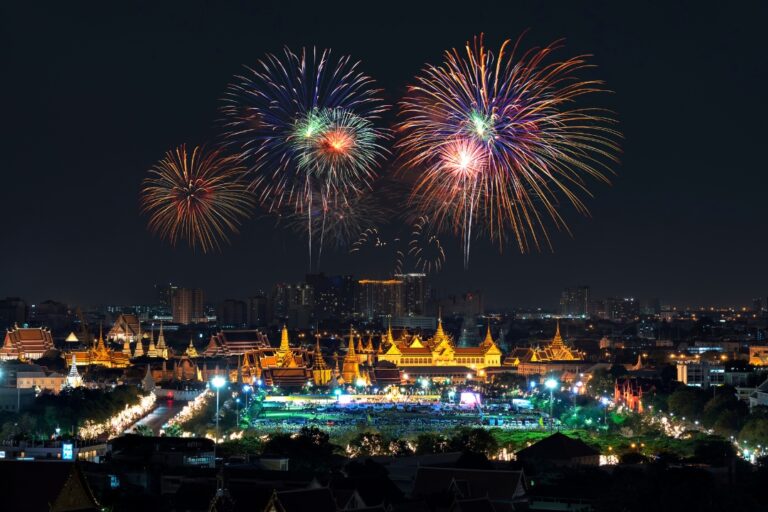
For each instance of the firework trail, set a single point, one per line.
(304, 125)
(425, 248)
(199, 197)
(372, 240)
(340, 223)
(498, 140)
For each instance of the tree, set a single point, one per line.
(688, 402)
(755, 431)
(713, 450)
(477, 440)
(430, 442)
(367, 444)
(727, 423)
(601, 383)
(400, 448)
(144, 430)
(174, 430)
(309, 450)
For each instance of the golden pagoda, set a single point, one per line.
(321, 374)
(162, 348)
(152, 350)
(191, 350)
(139, 349)
(350, 370)
(284, 351)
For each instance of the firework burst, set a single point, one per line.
(425, 248)
(372, 242)
(499, 140)
(304, 125)
(199, 197)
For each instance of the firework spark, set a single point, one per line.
(373, 240)
(340, 224)
(304, 125)
(199, 197)
(425, 248)
(498, 140)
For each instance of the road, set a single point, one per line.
(164, 411)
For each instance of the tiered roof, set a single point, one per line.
(226, 343)
(26, 342)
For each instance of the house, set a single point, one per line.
(560, 450)
(445, 486)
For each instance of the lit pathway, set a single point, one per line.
(165, 410)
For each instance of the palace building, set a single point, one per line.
(99, 354)
(554, 357)
(439, 350)
(25, 343)
(126, 327)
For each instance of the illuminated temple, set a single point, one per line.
(439, 350)
(25, 343)
(553, 357)
(99, 354)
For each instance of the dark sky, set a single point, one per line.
(93, 95)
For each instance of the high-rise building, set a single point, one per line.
(257, 310)
(232, 313)
(334, 296)
(574, 302)
(165, 296)
(293, 303)
(49, 313)
(13, 310)
(650, 307)
(613, 308)
(187, 306)
(414, 293)
(380, 297)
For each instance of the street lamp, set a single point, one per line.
(217, 382)
(551, 384)
(246, 391)
(605, 401)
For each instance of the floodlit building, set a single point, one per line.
(26, 343)
(126, 327)
(555, 357)
(439, 350)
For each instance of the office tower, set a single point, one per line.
(165, 297)
(187, 305)
(414, 293)
(232, 313)
(380, 297)
(257, 310)
(293, 304)
(574, 302)
(650, 307)
(13, 310)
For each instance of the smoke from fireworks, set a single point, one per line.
(199, 197)
(497, 140)
(304, 124)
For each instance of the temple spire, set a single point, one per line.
(73, 378)
(557, 341)
(390, 338)
(351, 350)
(284, 347)
(488, 338)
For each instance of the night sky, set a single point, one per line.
(93, 96)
